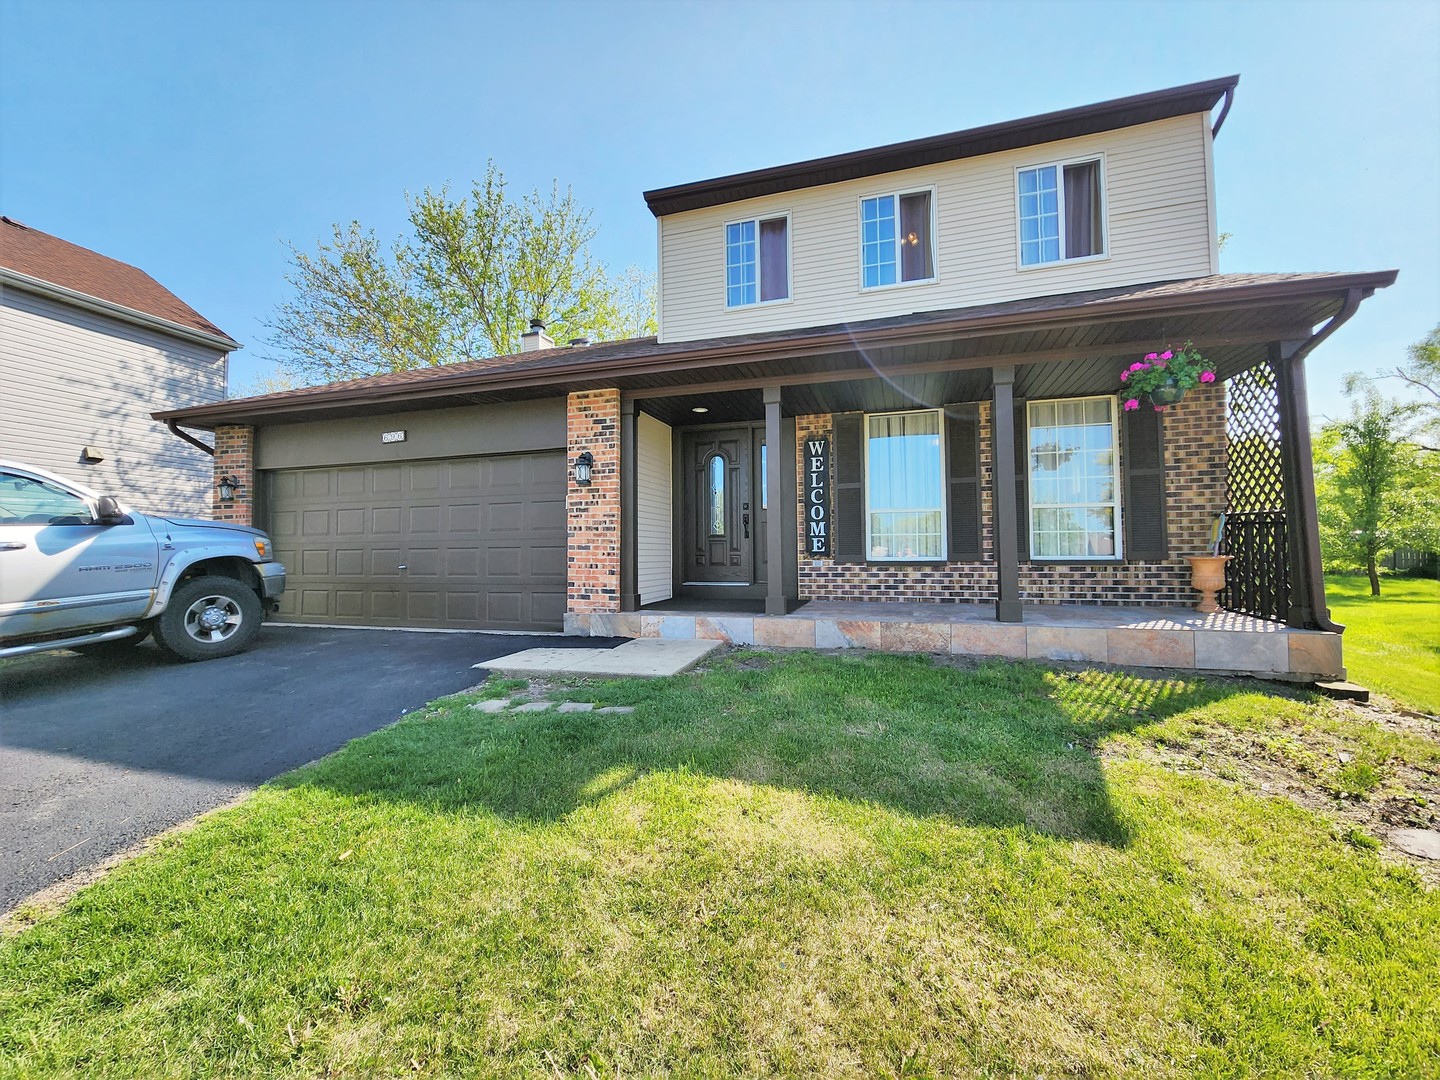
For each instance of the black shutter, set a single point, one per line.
(849, 481)
(962, 434)
(1143, 465)
(1022, 480)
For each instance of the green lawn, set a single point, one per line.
(1392, 641)
(806, 865)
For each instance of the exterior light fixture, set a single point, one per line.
(583, 465)
(700, 409)
(229, 488)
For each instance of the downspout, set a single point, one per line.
(1224, 111)
(174, 426)
(1304, 472)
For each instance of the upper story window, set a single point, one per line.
(757, 261)
(897, 239)
(904, 486)
(1062, 212)
(1074, 482)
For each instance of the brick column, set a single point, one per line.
(235, 457)
(593, 513)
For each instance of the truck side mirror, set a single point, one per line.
(108, 511)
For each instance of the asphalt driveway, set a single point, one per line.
(95, 756)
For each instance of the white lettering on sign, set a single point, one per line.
(392, 436)
(817, 497)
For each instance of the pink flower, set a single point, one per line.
(1124, 375)
(1137, 366)
(1151, 356)
(1160, 367)
(1162, 408)
(1132, 404)
(1207, 376)
(1166, 355)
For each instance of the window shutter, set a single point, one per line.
(1022, 479)
(962, 435)
(849, 481)
(1144, 469)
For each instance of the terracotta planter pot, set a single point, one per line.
(1207, 573)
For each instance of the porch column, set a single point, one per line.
(1302, 526)
(1006, 529)
(629, 489)
(779, 529)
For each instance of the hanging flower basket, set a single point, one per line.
(1164, 377)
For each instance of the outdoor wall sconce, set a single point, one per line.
(229, 488)
(583, 465)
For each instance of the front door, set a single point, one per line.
(720, 513)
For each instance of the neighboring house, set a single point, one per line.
(89, 348)
(882, 409)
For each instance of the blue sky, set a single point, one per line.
(193, 139)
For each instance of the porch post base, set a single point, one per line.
(629, 601)
(779, 605)
(1011, 611)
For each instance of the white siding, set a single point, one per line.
(71, 378)
(654, 517)
(1159, 227)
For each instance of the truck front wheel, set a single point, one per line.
(207, 618)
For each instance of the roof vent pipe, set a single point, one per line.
(535, 338)
(579, 342)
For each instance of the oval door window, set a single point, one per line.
(716, 495)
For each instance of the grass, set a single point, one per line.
(1392, 641)
(850, 866)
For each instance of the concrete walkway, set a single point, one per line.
(644, 657)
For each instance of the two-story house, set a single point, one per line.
(89, 346)
(883, 410)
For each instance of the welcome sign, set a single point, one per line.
(817, 497)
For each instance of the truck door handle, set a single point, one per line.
(402, 566)
(13, 545)
(745, 520)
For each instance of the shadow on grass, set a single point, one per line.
(999, 744)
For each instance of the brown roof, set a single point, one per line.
(1312, 297)
(991, 139)
(39, 255)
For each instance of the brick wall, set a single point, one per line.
(593, 513)
(1195, 484)
(235, 457)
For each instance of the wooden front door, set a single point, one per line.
(720, 514)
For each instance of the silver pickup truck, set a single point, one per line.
(80, 571)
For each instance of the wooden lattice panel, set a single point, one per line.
(1258, 576)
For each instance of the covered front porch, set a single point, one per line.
(1151, 637)
(734, 553)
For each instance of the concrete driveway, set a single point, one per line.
(95, 756)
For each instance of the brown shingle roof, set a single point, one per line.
(550, 370)
(39, 255)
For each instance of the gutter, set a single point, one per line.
(1224, 111)
(117, 311)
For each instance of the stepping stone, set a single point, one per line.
(494, 705)
(1424, 843)
(618, 709)
(576, 706)
(534, 706)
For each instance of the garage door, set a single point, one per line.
(472, 543)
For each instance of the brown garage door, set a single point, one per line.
(466, 543)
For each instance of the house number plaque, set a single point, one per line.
(817, 497)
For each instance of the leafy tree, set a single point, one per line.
(1422, 371)
(275, 382)
(462, 285)
(1376, 490)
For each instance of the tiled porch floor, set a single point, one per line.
(1133, 636)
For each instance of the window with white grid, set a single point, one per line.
(1074, 479)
